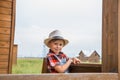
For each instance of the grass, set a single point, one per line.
(28, 66)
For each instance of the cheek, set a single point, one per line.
(51, 45)
(60, 47)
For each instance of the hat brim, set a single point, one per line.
(46, 41)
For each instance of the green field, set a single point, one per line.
(27, 66)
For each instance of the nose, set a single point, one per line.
(58, 46)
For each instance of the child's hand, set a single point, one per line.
(76, 60)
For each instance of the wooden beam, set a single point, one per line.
(110, 36)
(62, 76)
(12, 35)
(119, 38)
(14, 56)
(85, 68)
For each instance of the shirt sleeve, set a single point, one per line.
(67, 58)
(52, 61)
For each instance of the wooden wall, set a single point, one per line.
(7, 23)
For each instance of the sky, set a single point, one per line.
(79, 20)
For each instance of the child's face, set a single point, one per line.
(56, 45)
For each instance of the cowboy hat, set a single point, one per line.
(56, 34)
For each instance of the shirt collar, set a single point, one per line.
(50, 51)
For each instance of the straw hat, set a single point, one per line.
(56, 34)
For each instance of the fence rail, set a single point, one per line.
(62, 76)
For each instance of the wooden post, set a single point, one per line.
(119, 39)
(14, 56)
(12, 34)
(110, 36)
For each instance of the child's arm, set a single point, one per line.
(63, 68)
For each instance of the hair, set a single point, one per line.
(53, 40)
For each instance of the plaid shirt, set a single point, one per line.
(53, 60)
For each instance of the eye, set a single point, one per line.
(55, 43)
(61, 44)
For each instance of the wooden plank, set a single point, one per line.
(4, 51)
(104, 35)
(6, 4)
(3, 71)
(4, 37)
(5, 24)
(12, 35)
(4, 44)
(14, 55)
(4, 30)
(4, 57)
(5, 11)
(6, 0)
(61, 76)
(85, 68)
(5, 17)
(119, 38)
(110, 36)
(3, 65)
